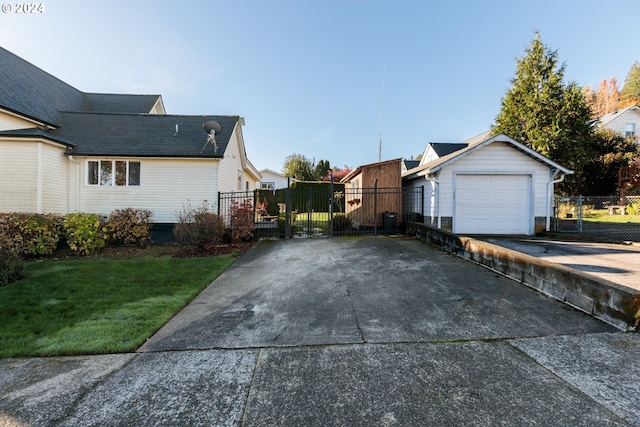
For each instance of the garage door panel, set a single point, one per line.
(492, 204)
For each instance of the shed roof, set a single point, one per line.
(359, 169)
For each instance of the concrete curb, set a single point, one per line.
(610, 302)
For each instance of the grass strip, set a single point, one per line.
(98, 305)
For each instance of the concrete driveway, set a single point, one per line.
(374, 331)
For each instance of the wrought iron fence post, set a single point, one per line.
(287, 215)
(375, 207)
(331, 201)
(309, 209)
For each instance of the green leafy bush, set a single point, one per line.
(242, 223)
(29, 234)
(85, 233)
(342, 223)
(633, 209)
(200, 227)
(12, 267)
(131, 226)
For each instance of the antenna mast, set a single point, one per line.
(384, 72)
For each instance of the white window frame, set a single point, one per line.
(267, 185)
(629, 129)
(113, 173)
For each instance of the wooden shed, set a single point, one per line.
(373, 194)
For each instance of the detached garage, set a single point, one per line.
(494, 185)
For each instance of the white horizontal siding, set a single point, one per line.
(10, 122)
(495, 158)
(166, 186)
(18, 176)
(230, 165)
(55, 180)
(618, 124)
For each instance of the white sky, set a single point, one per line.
(307, 75)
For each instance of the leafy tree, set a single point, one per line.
(606, 100)
(299, 167)
(630, 94)
(338, 173)
(546, 114)
(612, 150)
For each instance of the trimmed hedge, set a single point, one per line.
(29, 234)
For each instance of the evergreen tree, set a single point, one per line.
(546, 114)
(321, 169)
(630, 94)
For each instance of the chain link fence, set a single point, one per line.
(611, 218)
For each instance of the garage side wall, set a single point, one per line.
(497, 158)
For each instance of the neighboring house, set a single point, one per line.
(63, 150)
(494, 185)
(359, 195)
(409, 164)
(625, 121)
(435, 150)
(272, 180)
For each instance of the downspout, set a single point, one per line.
(550, 184)
(436, 202)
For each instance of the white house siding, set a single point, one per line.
(10, 122)
(166, 186)
(18, 176)
(495, 158)
(229, 167)
(618, 124)
(277, 179)
(54, 179)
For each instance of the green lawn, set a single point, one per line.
(98, 305)
(602, 215)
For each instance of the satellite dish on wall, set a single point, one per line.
(212, 125)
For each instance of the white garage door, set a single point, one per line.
(492, 204)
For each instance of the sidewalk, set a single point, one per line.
(369, 331)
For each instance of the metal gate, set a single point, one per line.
(325, 209)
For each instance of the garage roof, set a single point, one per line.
(477, 143)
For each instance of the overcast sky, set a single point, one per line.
(315, 76)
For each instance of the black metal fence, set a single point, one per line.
(325, 210)
(612, 218)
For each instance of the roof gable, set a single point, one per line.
(478, 143)
(608, 118)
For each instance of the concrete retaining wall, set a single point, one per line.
(605, 300)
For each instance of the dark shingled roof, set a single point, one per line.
(144, 135)
(37, 133)
(410, 164)
(29, 91)
(443, 148)
(112, 103)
